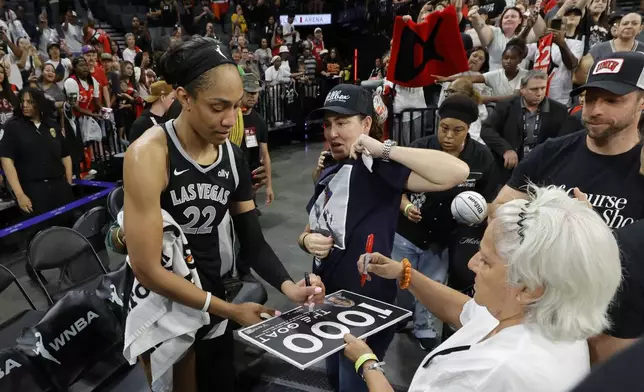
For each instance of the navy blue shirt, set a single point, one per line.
(349, 204)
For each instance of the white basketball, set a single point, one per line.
(469, 208)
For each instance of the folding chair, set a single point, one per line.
(11, 328)
(67, 250)
(115, 201)
(93, 226)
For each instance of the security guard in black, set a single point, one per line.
(37, 152)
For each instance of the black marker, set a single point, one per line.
(307, 281)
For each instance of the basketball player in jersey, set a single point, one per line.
(188, 168)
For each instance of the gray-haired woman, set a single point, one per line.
(546, 272)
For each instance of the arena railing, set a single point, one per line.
(411, 124)
(288, 104)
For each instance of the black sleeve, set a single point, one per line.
(528, 169)
(139, 126)
(256, 252)
(9, 143)
(627, 310)
(491, 127)
(244, 191)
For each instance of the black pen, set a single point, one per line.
(307, 281)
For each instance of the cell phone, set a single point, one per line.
(555, 24)
(328, 157)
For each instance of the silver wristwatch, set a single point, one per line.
(386, 150)
(374, 366)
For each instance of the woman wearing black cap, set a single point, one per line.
(188, 168)
(426, 227)
(359, 197)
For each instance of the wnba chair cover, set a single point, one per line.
(18, 374)
(13, 325)
(75, 335)
(113, 290)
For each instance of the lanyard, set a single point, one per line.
(535, 130)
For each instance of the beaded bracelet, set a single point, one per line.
(405, 279)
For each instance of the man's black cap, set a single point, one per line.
(620, 73)
(346, 99)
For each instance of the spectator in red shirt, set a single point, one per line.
(90, 33)
(97, 72)
(318, 43)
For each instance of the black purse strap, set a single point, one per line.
(445, 352)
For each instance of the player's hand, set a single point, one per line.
(510, 159)
(24, 202)
(355, 348)
(249, 313)
(364, 142)
(380, 265)
(318, 245)
(406, 18)
(270, 195)
(413, 214)
(302, 294)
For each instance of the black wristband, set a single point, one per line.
(302, 246)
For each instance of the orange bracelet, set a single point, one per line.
(405, 280)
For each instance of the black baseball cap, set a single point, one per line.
(620, 73)
(346, 99)
(573, 10)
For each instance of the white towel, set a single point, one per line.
(155, 322)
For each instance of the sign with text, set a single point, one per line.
(303, 338)
(307, 20)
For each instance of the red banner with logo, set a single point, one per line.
(433, 47)
(544, 57)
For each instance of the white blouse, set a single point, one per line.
(518, 358)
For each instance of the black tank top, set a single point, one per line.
(199, 198)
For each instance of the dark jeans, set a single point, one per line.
(341, 372)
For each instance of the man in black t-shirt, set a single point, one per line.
(603, 161)
(160, 99)
(255, 141)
